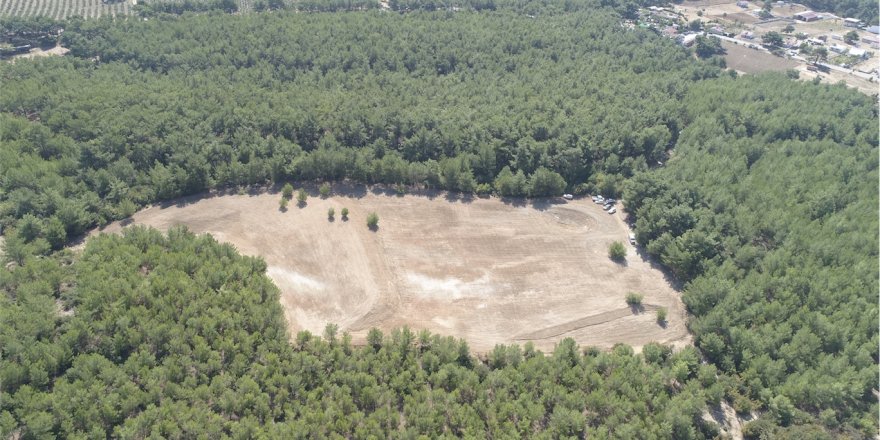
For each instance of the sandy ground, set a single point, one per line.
(36, 53)
(481, 269)
(729, 422)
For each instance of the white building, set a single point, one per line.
(856, 52)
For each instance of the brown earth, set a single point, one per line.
(746, 60)
(481, 269)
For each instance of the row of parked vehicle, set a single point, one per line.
(608, 203)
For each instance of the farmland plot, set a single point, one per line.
(60, 9)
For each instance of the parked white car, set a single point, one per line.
(612, 210)
(567, 196)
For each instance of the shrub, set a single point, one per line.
(617, 251)
(483, 189)
(127, 208)
(301, 197)
(373, 220)
(324, 190)
(661, 315)
(331, 213)
(742, 404)
(634, 299)
(287, 191)
(283, 204)
(344, 213)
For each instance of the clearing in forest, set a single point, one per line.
(746, 60)
(481, 269)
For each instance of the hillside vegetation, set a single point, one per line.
(438, 100)
(177, 336)
(764, 205)
(770, 211)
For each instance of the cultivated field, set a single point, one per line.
(60, 9)
(487, 271)
(743, 59)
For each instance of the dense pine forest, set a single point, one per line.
(759, 193)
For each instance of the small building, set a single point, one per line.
(875, 44)
(743, 4)
(837, 48)
(857, 52)
(688, 40)
(851, 22)
(747, 35)
(815, 41)
(807, 16)
(873, 29)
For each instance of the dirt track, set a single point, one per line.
(488, 271)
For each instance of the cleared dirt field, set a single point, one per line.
(744, 59)
(488, 271)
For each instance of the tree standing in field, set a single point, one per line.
(373, 221)
(617, 251)
(287, 191)
(634, 299)
(331, 213)
(820, 54)
(282, 205)
(661, 316)
(344, 214)
(773, 39)
(301, 197)
(851, 37)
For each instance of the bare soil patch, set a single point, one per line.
(36, 53)
(744, 59)
(482, 269)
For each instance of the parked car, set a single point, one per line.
(595, 198)
(612, 210)
(600, 200)
(611, 201)
(567, 196)
(632, 239)
(608, 206)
